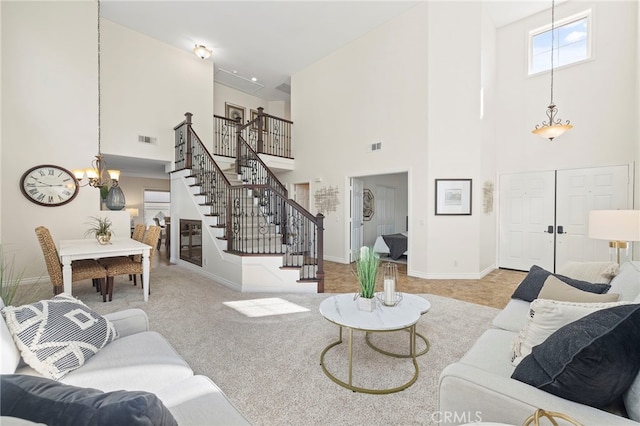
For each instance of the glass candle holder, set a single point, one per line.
(390, 284)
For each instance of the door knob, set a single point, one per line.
(561, 230)
(549, 229)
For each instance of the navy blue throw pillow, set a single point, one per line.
(531, 285)
(43, 400)
(592, 361)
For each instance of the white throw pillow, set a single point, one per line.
(58, 335)
(554, 289)
(546, 317)
(593, 272)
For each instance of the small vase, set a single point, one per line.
(366, 304)
(104, 238)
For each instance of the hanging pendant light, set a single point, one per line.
(554, 127)
(98, 176)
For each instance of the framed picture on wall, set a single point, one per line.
(234, 112)
(453, 196)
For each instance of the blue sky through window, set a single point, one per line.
(571, 45)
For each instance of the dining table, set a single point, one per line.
(90, 248)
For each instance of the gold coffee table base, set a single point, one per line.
(382, 351)
(349, 383)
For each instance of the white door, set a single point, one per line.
(301, 194)
(578, 192)
(543, 215)
(357, 222)
(526, 228)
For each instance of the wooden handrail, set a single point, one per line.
(258, 216)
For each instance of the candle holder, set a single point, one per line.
(390, 296)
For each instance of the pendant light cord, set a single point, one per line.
(553, 20)
(99, 91)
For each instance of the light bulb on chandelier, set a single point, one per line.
(554, 127)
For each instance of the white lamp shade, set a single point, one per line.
(614, 225)
(114, 174)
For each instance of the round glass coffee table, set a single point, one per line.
(343, 311)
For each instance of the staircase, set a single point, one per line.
(254, 238)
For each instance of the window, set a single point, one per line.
(572, 39)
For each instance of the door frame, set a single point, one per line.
(347, 210)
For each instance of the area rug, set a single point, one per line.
(269, 366)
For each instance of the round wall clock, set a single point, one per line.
(49, 185)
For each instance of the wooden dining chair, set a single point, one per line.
(127, 266)
(80, 269)
(138, 235)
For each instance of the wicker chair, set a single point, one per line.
(138, 232)
(80, 269)
(128, 266)
(138, 235)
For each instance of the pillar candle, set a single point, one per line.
(389, 292)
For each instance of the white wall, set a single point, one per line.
(455, 138)
(225, 94)
(50, 108)
(352, 98)
(49, 116)
(598, 96)
(147, 86)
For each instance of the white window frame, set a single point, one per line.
(588, 14)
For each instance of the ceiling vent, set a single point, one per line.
(236, 81)
(284, 87)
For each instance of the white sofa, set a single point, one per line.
(479, 386)
(139, 360)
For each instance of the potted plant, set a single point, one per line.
(367, 265)
(101, 229)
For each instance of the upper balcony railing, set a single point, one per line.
(266, 134)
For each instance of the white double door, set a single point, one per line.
(543, 216)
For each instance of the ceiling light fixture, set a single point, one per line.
(97, 175)
(554, 127)
(201, 51)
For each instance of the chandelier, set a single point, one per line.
(554, 127)
(98, 176)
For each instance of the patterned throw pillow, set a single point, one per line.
(58, 335)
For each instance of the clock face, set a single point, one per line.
(49, 185)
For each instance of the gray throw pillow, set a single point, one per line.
(43, 400)
(529, 289)
(592, 361)
(57, 335)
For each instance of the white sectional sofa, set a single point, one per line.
(479, 386)
(138, 360)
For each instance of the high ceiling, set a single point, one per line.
(272, 40)
(268, 40)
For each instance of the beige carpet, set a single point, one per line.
(269, 366)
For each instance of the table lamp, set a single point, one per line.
(133, 213)
(617, 226)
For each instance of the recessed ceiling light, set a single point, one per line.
(254, 79)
